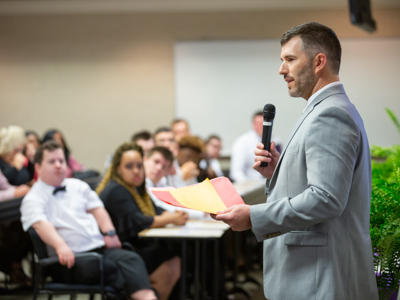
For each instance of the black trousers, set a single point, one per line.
(123, 269)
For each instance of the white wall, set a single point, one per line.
(220, 84)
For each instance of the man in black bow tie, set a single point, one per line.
(70, 218)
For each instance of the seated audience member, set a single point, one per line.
(8, 191)
(242, 156)
(180, 128)
(156, 165)
(32, 138)
(144, 140)
(72, 164)
(14, 243)
(190, 153)
(124, 194)
(213, 149)
(70, 218)
(12, 142)
(164, 137)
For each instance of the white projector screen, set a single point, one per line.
(219, 85)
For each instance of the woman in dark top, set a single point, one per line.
(131, 209)
(12, 161)
(14, 242)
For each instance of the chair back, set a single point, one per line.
(38, 246)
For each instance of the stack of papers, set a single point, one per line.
(208, 196)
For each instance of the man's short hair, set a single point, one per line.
(213, 137)
(258, 113)
(141, 135)
(165, 152)
(162, 129)
(50, 146)
(317, 38)
(178, 121)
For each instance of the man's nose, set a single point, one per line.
(282, 69)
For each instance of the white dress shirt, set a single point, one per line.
(176, 180)
(242, 157)
(214, 164)
(193, 214)
(67, 211)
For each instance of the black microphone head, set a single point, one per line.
(269, 112)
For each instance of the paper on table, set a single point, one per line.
(208, 196)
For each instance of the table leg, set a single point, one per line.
(203, 269)
(216, 269)
(197, 270)
(183, 271)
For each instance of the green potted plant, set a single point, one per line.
(385, 215)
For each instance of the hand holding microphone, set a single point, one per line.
(266, 154)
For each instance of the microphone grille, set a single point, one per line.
(269, 111)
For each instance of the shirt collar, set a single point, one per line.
(46, 187)
(315, 95)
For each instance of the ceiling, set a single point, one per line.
(17, 7)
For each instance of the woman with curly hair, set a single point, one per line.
(124, 194)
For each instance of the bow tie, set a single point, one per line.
(59, 189)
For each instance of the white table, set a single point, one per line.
(198, 231)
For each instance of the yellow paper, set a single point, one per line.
(202, 196)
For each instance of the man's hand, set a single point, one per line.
(65, 255)
(270, 157)
(112, 241)
(189, 170)
(180, 217)
(237, 217)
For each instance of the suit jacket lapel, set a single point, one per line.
(337, 89)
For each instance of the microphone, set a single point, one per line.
(269, 115)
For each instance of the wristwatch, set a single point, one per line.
(109, 233)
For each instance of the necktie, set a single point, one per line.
(58, 189)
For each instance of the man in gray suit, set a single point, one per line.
(315, 225)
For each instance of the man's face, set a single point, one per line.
(213, 148)
(166, 139)
(180, 130)
(53, 168)
(156, 167)
(145, 144)
(297, 69)
(258, 124)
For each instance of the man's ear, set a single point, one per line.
(320, 62)
(37, 168)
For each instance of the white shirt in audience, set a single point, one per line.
(193, 214)
(242, 157)
(176, 180)
(67, 211)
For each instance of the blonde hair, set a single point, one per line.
(10, 138)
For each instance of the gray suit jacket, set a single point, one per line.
(315, 224)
